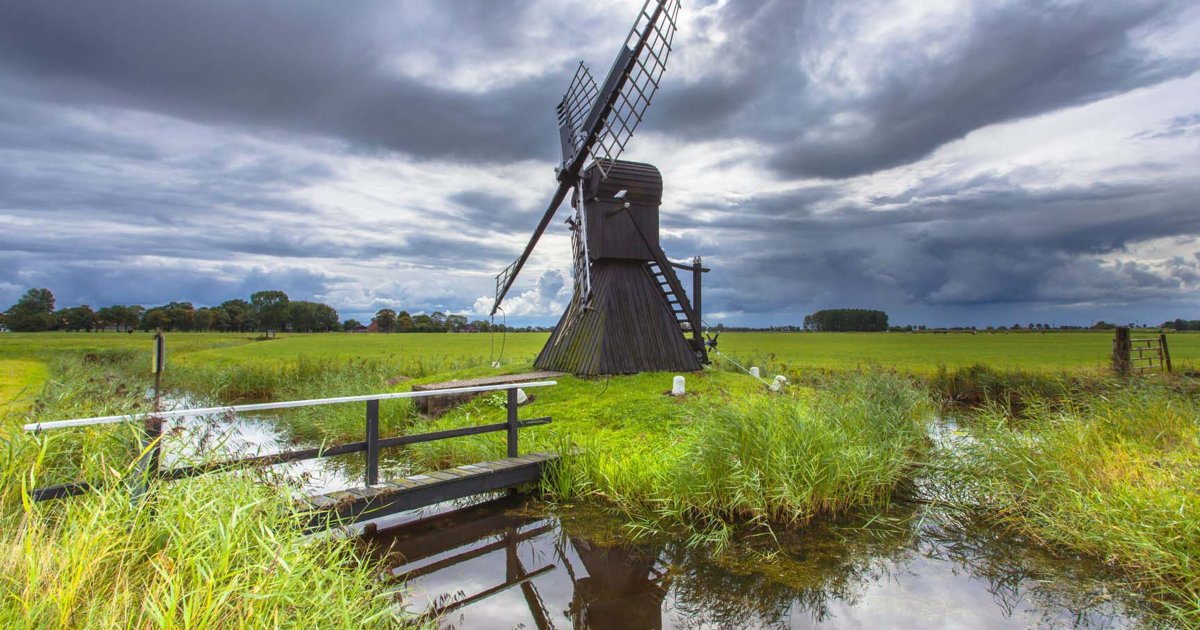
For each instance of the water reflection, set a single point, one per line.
(510, 563)
(193, 440)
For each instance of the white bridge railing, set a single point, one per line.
(149, 455)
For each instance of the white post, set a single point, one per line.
(677, 386)
(754, 371)
(522, 398)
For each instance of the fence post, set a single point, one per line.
(148, 463)
(372, 442)
(154, 425)
(697, 326)
(1163, 353)
(512, 422)
(1121, 350)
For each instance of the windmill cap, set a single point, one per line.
(642, 183)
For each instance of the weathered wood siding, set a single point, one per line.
(629, 328)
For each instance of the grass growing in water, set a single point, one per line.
(726, 454)
(209, 553)
(213, 552)
(1115, 475)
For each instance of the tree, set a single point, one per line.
(33, 312)
(351, 325)
(312, 317)
(203, 319)
(847, 320)
(455, 322)
(438, 320)
(422, 323)
(404, 322)
(385, 319)
(77, 318)
(170, 316)
(239, 314)
(155, 318)
(270, 309)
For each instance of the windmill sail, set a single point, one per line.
(613, 113)
(575, 104)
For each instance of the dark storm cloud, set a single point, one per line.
(1005, 61)
(103, 282)
(152, 151)
(310, 66)
(997, 243)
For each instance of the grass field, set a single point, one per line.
(1081, 461)
(20, 381)
(908, 352)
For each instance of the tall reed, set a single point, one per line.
(1114, 474)
(213, 552)
(762, 458)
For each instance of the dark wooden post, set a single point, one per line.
(372, 442)
(153, 425)
(697, 334)
(1121, 350)
(512, 422)
(1164, 354)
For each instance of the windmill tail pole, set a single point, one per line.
(505, 280)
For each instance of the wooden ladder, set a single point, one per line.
(672, 292)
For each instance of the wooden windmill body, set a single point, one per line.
(632, 320)
(629, 312)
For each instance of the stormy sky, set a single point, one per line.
(952, 162)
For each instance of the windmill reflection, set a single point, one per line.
(509, 563)
(623, 588)
(611, 587)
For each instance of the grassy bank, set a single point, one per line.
(213, 552)
(1063, 453)
(728, 453)
(1114, 474)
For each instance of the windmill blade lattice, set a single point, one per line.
(650, 42)
(613, 112)
(576, 103)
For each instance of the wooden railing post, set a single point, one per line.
(372, 442)
(1164, 354)
(1121, 350)
(512, 422)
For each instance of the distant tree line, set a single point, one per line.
(266, 310)
(387, 320)
(1183, 324)
(847, 320)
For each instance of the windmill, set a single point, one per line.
(628, 311)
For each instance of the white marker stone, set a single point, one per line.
(521, 397)
(778, 383)
(754, 371)
(677, 386)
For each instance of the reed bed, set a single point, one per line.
(1114, 474)
(214, 552)
(729, 453)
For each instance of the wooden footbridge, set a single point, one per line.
(375, 498)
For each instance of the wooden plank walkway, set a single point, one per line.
(417, 491)
(434, 405)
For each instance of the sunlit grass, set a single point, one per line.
(20, 380)
(213, 552)
(1114, 474)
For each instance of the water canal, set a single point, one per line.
(519, 562)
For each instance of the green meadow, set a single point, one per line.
(1064, 454)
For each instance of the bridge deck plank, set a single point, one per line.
(417, 491)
